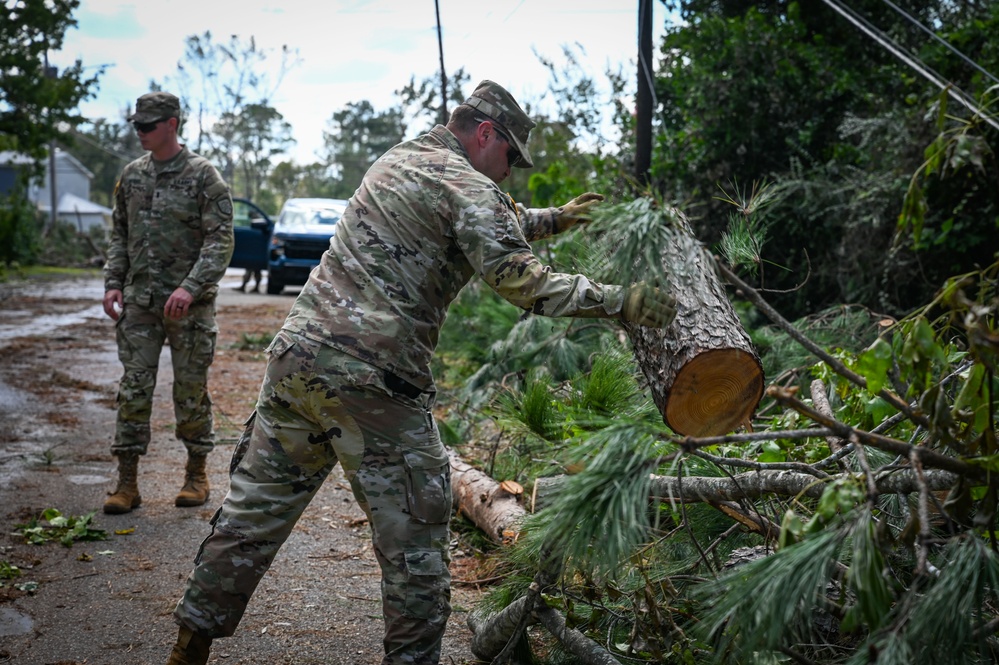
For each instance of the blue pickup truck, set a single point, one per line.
(252, 228)
(288, 248)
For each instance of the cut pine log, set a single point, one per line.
(704, 374)
(492, 506)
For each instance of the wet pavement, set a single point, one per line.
(73, 301)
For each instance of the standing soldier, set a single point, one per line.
(171, 240)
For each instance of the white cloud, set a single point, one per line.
(351, 50)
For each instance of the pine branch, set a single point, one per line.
(893, 446)
(754, 297)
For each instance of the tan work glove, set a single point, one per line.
(648, 306)
(576, 211)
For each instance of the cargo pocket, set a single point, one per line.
(428, 484)
(204, 336)
(427, 586)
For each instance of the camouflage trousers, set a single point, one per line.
(318, 407)
(141, 333)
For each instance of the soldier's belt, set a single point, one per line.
(401, 386)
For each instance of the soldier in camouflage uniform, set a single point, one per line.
(348, 380)
(171, 240)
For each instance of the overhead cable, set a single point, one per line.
(939, 39)
(956, 93)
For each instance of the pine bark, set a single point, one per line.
(704, 374)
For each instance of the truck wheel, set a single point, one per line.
(274, 286)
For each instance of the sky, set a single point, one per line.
(352, 50)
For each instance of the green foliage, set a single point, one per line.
(846, 580)
(609, 389)
(477, 318)
(53, 526)
(605, 506)
(9, 571)
(799, 97)
(20, 230)
(945, 621)
(253, 341)
(356, 136)
(631, 237)
(769, 602)
(38, 102)
(743, 242)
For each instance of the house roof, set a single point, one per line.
(70, 204)
(15, 158)
(62, 154)
(9, 157)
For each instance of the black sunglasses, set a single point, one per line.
(146, 127)
(512, 154)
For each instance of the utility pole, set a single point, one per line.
(643, 98)
(51, 73)
(440, 49)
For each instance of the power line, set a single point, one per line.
(911, 61)
(95, 144)
(939, 39)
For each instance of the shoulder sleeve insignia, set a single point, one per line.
(225, 206)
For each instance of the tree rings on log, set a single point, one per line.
(703, 372)
(714, 393)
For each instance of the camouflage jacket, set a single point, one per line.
(421, 224)
(171, 226)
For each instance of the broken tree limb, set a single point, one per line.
(491, 634)
(754, 484)
(704, 375)
(787, 483)
(927, 456)
(837, 366)
(489, 505)
(821, 402)
(583, 648)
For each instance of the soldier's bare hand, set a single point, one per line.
(113, 303)
(177, 305)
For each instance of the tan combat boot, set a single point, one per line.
(126, 496)
(195, 490)
(190, 649)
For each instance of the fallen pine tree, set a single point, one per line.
(911, 491)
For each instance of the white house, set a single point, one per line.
(72, 186)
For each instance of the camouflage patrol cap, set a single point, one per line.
(155, 106)
(492, 100)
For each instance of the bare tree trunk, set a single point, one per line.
(704, 375)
